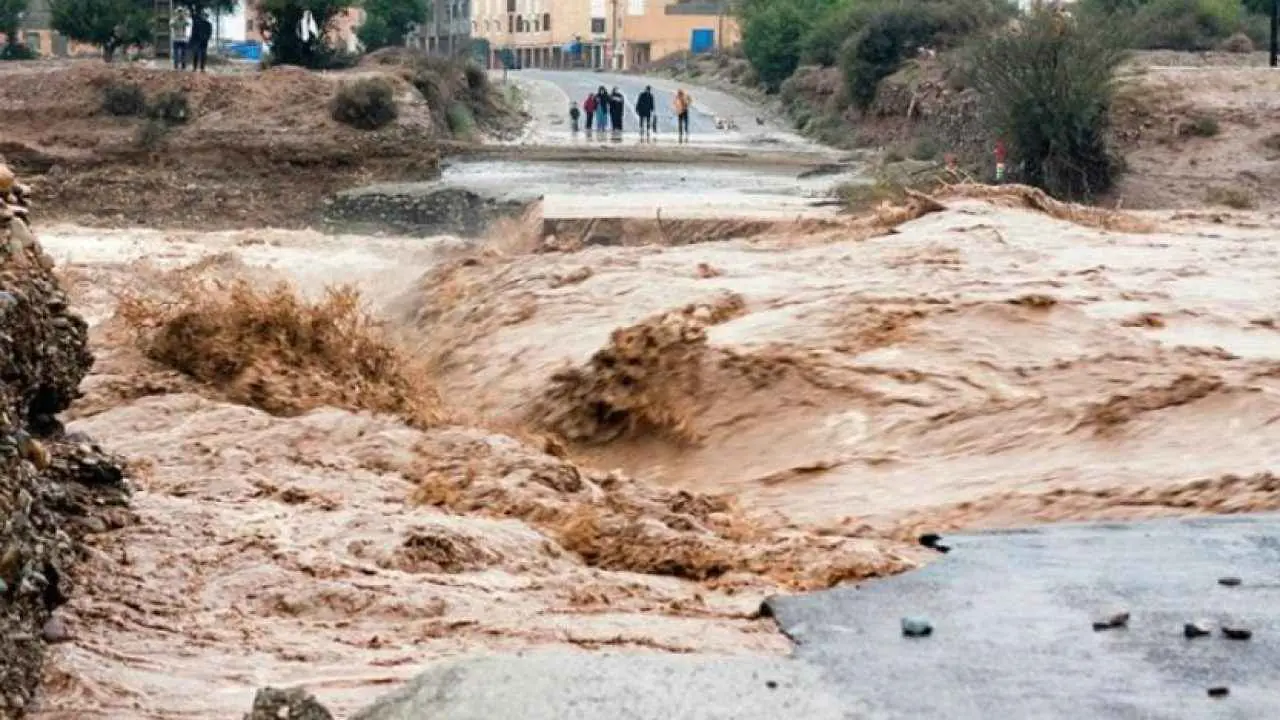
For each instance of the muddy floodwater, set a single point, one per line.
(981, 366)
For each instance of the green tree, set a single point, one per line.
(1047, 90)
(771, 41)
(11, 12)
(109, 24)
(387, 22)
(281, 20)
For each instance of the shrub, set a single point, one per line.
(925, 148)
(892, 32)
(151, 134)
(1201, 126)
(124, 100)
(1192, 25)
(822, 43)
(771, 40)
(1238, 43)
(477, 79)
(1232, 197)
(1047, 91)
(171, 107)
(462, 123)
(17, 51)
(366, 104)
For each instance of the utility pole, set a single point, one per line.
(1275, 26)
(613, 32)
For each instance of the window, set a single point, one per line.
(248, 25)
(511, 24)
(511, 6)
(597, 25)
(546, 21)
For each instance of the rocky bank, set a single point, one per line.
(54, 487)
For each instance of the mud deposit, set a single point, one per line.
(985, 364)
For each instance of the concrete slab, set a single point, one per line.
(1012, 615)
(560, 685)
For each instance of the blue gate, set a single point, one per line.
(702, 40)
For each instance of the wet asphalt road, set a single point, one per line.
(551, 91)
(1013, 638)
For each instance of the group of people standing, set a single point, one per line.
(196, 44)
(603, 110)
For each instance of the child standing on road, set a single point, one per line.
(589, 107)
(574, 114)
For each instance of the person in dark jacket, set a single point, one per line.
(602, 109)
(644, 108)
(617, 108)
(201, 33)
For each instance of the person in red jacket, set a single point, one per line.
(589, 107)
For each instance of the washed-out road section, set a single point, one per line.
(1013, 637)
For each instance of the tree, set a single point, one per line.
(11, 12)
(771, 41)
(387, 22)
(282, 22)
(1046, 90)
(109, 24)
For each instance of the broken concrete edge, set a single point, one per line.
(580, 685)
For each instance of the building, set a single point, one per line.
(447, 30)
(37, 35)
(617, 34)
(654, 29)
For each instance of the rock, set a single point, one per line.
(55, 631)
(1219, 691)
(1236, 632)
(1229, 581)
(44, 356)
(1115, 619)
(292, 704)
(916, 627)
(7, 179)
(1200, 628)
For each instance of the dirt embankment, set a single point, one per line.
(1193, 129)
(253, 148)
(55, 488)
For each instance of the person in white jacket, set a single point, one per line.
(179, 27)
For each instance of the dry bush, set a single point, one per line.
(124, 99)
(1237, 43)
(1201, 126)
(1035, 199)
(1237, 198)
(645, 381)
(366, 104)
(276, 351)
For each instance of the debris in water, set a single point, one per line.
(1200, 628)
(1117, 619)
(1235, 632)
(916, 627)
(933, 541)
(1219, 691)
(1229, 581)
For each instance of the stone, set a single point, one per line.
(916, 627)
(35, 452)
(1236, 632)
(55, 631)
(7, 179)
(1200, 628)
(1229, 581)
(1219, 691)
(1111, 620)
(292, 704)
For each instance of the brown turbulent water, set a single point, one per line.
(981, 366)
